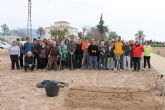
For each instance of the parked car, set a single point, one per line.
(4, 45)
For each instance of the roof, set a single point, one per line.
(62, 22)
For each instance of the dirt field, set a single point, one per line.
(90, 90)
(159, 50)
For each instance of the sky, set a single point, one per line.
(125, 17)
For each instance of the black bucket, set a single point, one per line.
(52, 89)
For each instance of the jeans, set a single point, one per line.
(136, 64)
(102, 62)
(110, 62)
(85, 60)
(127, 62)
(92, 62)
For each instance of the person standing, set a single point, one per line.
(21, 52)
(71, 51)
(110, 56)
(127, 58)
(28, 46)
(63, 52)
(93, 53)
(118, 51)
(102, 55)
(147, 55)
(43, 55)
(137, 54)
(78, 55)
(85, 45)
(14, 52)
(53, 53)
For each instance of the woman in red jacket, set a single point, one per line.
(137, 50)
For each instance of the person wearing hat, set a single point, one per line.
(85, 45)
(71, 51)
(137, 50)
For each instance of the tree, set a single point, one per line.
(84, 30)
(102, 28)
(5, 29)
(113, 35)
(40, 32)
(80, 34)
(55, 33)
(93, 33)
(140, 36)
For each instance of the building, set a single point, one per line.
(61, 25)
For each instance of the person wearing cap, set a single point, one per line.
(93, 53)
(71, 51)
(85, 45)
(118, 51)
(137, 50)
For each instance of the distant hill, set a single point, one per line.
(21, 31)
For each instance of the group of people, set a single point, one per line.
(80, 54)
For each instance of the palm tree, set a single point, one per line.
(40, 32)
(140, 36)
(102, 28)
(5, 29)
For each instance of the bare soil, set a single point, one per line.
(90, 90)
(159, 50)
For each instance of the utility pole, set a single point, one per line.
(29, 21)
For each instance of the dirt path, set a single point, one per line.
(158, 63)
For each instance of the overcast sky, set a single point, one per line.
(123, 16)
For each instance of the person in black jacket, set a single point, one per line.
(78, 55)
(29, 61)
(93, 53)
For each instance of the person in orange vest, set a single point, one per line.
(85, 45)
(118, 51)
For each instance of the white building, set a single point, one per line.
(61, 25)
